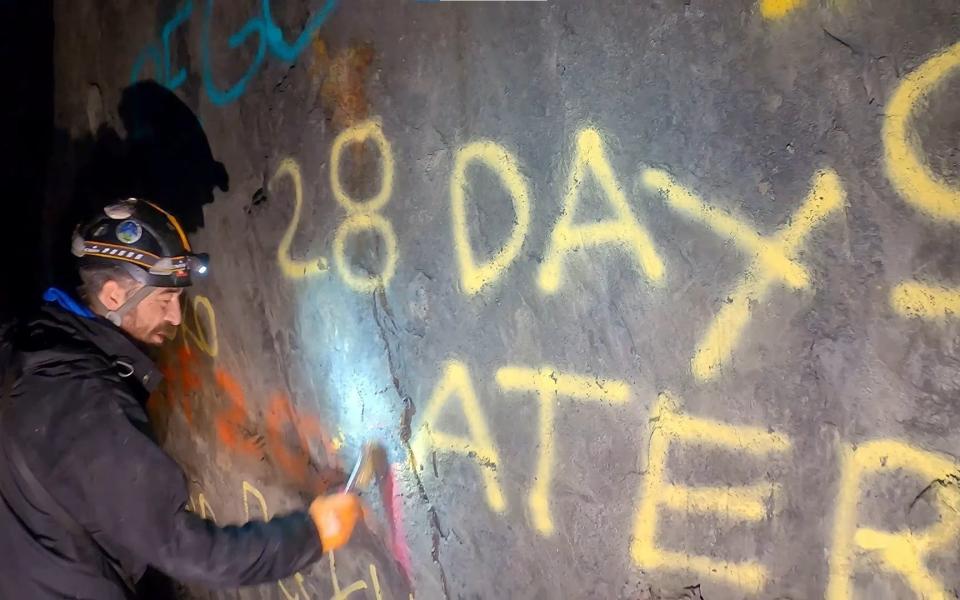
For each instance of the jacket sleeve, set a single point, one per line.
(133, 497)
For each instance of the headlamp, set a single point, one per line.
(192, 263)
(199, 263)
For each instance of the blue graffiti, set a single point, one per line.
(218, 96)
(279, 46)
(151, 52)
(269, 38)
(174, 81)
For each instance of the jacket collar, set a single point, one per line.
(127, 356)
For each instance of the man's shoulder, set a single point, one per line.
(64, 370)
(69, 391)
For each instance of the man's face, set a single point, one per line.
(155, 319)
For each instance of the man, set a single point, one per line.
(89, 500)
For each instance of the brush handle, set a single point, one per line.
(353, 475)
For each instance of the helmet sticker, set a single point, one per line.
(102, 229)
(129, 232)
(122, 209)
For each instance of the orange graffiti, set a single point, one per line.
(281, 421)
(230, 423)
(189, 381)
(285, 436)
(182, 380)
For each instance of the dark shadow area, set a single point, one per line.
(165, 157)
(51, 180)
(168, 153)
(26, 120)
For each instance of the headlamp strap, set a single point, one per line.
(116, 316)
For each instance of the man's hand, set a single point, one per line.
(335, 516)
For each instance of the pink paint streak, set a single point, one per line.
(394, 506)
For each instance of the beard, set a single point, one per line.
(166, 331)
(158, 336)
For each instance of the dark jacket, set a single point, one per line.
(77, 413)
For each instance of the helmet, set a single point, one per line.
(147, 241)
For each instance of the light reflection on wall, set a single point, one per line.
(346, 366)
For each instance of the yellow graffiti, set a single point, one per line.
(550, 385)
(363, 215)
(338, 440)
(479, 446)
(209, 344)
(298, 579)
(773, 258)
(204, 337)
(206, 511)
(474, 277)
(775, 10)
(915, 299)
(778, 9)
(370, 129)
(366, 222)
(375, 580)
(625, 230)
(916, 183)
(745, 503)
(904, 552)
(294, 269)
(359, 585)
(906, 168)
(344, 593)
(250, 490)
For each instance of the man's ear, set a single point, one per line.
(112, 295)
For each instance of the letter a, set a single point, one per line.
(479, 446)
(625, 230)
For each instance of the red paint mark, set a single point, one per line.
(286, 438)
(181, 381)
(229, 423)
(280, 419)
(189, 381)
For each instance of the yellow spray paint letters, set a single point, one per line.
(474, 277)
(926, 301)
(625, 230)
(746, 503)
(914, 180)
(339, 593)
(206, 511)
(479, 446)
(248, 491)
(906, 168)
(773, 257)
(294, 269)
(364, 215)
(342, 593)
(550, 385)
(777, 9)
(902, 553)
(204, 337)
